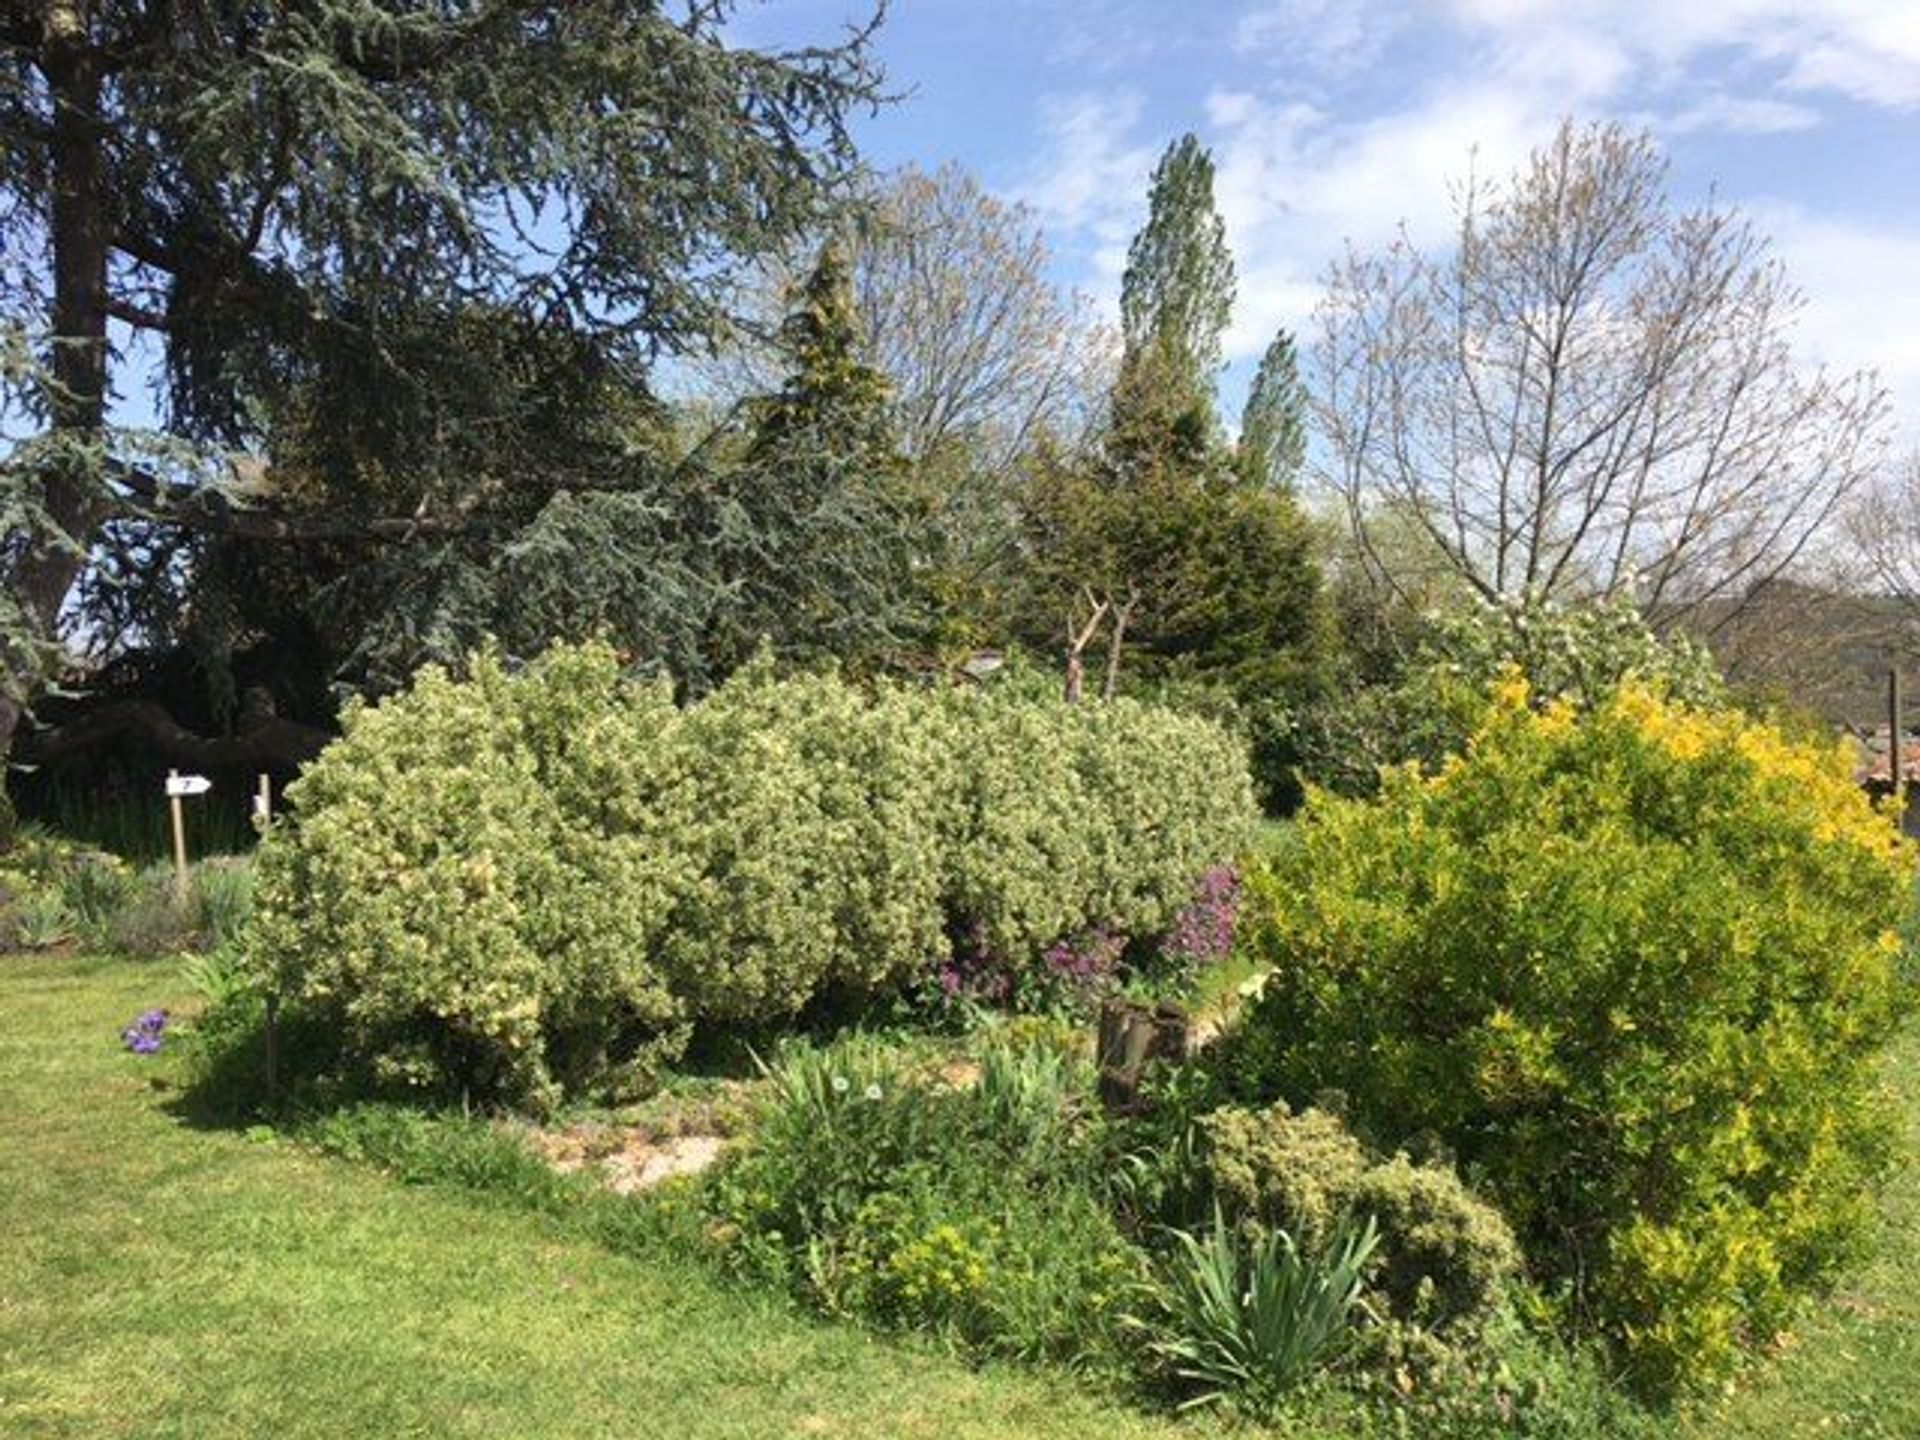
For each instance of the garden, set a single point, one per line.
(653, 783)
(1542, 1091)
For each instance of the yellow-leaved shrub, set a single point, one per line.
(1634, 967)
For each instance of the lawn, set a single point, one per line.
(160, 1280)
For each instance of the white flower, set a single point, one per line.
(841, 1084)
(873, 1092)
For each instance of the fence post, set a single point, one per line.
(1894, 757)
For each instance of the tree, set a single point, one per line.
(1591, 393)
(1273, 426)
(277, 195)
(1176, 295)
(988, 360)
(1207, 588)
(818, 516)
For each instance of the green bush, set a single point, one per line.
(520, 885)
(1070, 817)
(1634, 967)
(467, 891)
(812, 844)
(1425, 707)
(1445, 1257)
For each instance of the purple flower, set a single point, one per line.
(1202, 932)
(1086, 959)
(144, 1035)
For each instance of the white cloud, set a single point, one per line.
(1860, 312)
(1742, 116)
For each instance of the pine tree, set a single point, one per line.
(1273, 427)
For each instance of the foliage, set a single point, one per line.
(1273, 426)
(1635, 967)
(1245, 1321)
(875, 1187)
(331, 206)
(1074, 817)
(463, 892)
(1445, 1259)
(816, 523)
(1426, 709)
(519, 884)
(1176, 297)
(1207, 587)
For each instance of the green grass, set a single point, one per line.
(161, 1280)
(158, 1279)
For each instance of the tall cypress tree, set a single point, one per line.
(1273, 427)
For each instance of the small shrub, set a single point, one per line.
(1445, 1257)
(42, 920)
(1634, 967)
(1245, 1320)
(1296, 1173)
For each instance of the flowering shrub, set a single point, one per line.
(1577, 653)
(519, 885)
(1635, 967)
(1202, 933)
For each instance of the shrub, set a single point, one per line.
(1634, 968)
(1429, 705)
(1445, 1257)
(463, 894)
(1080, 824)
(811, 842)
(515, 885)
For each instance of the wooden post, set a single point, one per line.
(179, 840)
(263, 805)
(1896, 778)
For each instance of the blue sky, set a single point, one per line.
(1337, 120)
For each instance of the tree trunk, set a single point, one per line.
(1117, 645)
(73, 492)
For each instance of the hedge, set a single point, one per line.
(523, 885)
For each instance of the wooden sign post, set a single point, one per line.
(178, 788)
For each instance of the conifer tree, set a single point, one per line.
(1176, 298)
(1273, 427)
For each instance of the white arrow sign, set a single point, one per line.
(188, 784)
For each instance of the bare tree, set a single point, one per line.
(1590, 392)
